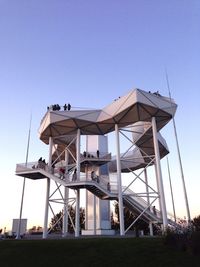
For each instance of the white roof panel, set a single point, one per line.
(135, 106)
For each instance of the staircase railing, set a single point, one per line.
(102, 183)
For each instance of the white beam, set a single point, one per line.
(45, 227)
(66, 196)
(78, 141)
(119, 182)
(159, 174)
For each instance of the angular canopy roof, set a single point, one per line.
(135, 106)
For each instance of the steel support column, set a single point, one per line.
(78, 145)
(119, 182)
(147, 188)
(95, 215)
(45, 227)
(148, 200)
(66, 196)
(157, 182)
(159, 174)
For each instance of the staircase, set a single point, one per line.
(135, 203)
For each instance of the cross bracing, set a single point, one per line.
(137, 117)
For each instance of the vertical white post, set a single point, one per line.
(157, 182)
(182, 175)
(148, 200)
(146, 183)
(95, 215)
(78, 139)
(171, 190)
(151, 229)
(78, 146)
(77, 219)
(119, 183)
(159, 174)
(66, 196)
(24, 182)
(180, 161)
(45, 228)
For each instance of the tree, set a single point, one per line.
(196, 223)
(57, 220)
(129, 217)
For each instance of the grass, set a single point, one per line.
(93, 252)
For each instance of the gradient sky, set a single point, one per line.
(89, 52)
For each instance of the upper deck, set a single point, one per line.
(135, 106)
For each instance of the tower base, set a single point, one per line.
(98, 232)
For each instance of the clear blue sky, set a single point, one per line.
(88, 52)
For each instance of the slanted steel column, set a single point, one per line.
(45, 227)
(180, 161)
(171, 190)
(24, 183)
(159, 174)
(66, 196)
(78, 145)
(119, 182)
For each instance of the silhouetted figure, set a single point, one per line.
(41, 163)
(53, 165)
(154, 210)
(93, 175)
(84, 154)
(157, 93)
(68, 106)
(65, 107)
(74, 176)
(62, 173)
(57, 107)
(97, 153)
(108, 186)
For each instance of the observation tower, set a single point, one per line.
(132, 122)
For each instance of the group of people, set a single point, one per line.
(88, 155)
(41, 164)
(58, 107)
(62, 172)
(67, 106)
(94, 177)
(155, 93)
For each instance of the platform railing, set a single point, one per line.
(28, 166)
(136, 197)
(59, 172)
(95, 155)
(102, 182)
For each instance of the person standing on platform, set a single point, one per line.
(74, 176)
(68, 106)
(65, 107)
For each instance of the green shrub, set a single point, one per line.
(195, 243)
(176, 240)
(183, 241)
